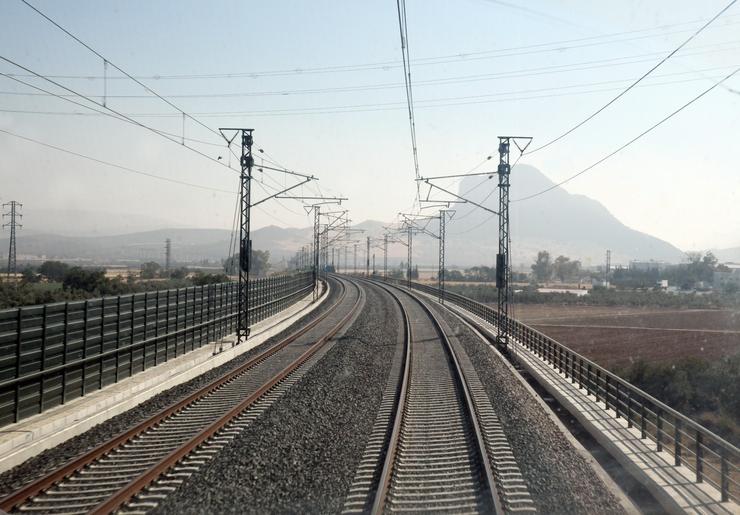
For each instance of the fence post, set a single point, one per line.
(725, 477)
(18, 337)
(133, 328)
(43, 358)
(677, 442)
(643, 425)
(64, 351)
(156, 331)
(659, 430)
(102, 337)
(146, 330)
(167, 329)
(699, 457)
(85, 326)
(118, 334)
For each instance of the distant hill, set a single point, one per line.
(560, 222)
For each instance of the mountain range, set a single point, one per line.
(560, 222)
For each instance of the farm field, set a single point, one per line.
(619, 336)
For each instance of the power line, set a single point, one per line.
(108, 62)
(650, 129)
(403, 30)
(635, 83)
(114, 165)
(396, 106)
(422, 61)
(119, 114)
(452, 80)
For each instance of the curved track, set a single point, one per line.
(119, 474)
(436, 460)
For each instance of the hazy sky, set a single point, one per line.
(480, 69)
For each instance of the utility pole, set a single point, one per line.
(245, 243)
(316, 222)
(14, 215)
(503, 264)
(608, 267)
(332, 259)
(373, 263)
(345, 259)
(355, 269)
(408, 264)
(167, 255)
(385, 256)
(367, 259)
(441, 270)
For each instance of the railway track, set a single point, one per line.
(437, 444)
(134, 471)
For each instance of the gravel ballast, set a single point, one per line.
(301, 455)
(560, 479)
(55, 457)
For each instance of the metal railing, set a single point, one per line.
(52, 353)
(710, 457)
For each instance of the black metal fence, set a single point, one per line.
(710, 457)
(52, 353)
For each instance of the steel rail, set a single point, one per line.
(383, 492)
(37, 487)
(137, 485)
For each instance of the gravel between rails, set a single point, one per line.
(301, 455)
(560, 479)
(51, 459)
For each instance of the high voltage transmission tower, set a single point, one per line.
(167, 255)
(14, 214)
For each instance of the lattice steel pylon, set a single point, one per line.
(385, 256)
(316, 247)
(245, 243)
(167, 255)
(408, 265)
(503, 265)
(14, 215)
(441, 270)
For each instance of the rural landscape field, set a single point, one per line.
(617, 336)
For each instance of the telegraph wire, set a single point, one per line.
(108, 62)
(442, 81)
(630, 142)
(403, 30)
(353, 106)
(420, 61)
(635, 83)
(114, 165)
(393, 106)
(119, 114)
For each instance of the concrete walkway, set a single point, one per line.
(31, 436)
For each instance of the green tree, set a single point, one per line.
(179, 273)
(54, 270)
(29, 276)
(150, 270)
(201, 279)
(92, 281)
(564, 268)
(542, 267)
(259, 265)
